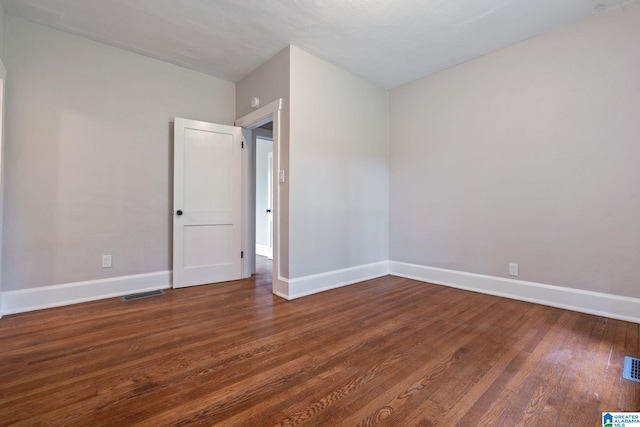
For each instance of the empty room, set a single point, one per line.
(321, 213)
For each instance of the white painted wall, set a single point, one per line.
(89, 155)
(264, 147)
(527, 155)
(339, 169)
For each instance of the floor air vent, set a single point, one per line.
(631, 369)
(142, 295)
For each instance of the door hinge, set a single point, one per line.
(242, 145)
(242, 254)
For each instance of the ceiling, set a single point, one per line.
(389, 42)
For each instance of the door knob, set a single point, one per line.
(179, 213)
(268, 210)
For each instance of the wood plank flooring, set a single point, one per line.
(389, 351)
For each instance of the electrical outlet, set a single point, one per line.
(513, 269)
(106, 261)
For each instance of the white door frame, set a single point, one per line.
(253, 120)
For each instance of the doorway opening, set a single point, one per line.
(263, 167)
(250, 123)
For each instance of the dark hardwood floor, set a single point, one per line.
(389, 351)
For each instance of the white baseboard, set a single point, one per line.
(72, 293)
(597, 303)
(282, 295)
(308, 285)
(263, 250)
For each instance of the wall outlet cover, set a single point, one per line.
(106, 261)
(513, 269)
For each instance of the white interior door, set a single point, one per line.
(207, 203)
(270, 204)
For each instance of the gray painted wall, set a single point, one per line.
(89, 155)
(339, 168)
(3, 28)
(527, 155)
(3, 31)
